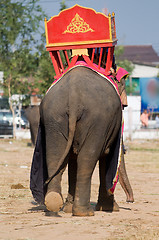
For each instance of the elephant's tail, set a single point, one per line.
(72, 127)
(62, 160)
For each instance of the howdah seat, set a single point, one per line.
(80, 33)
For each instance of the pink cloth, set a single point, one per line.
(121, 72)
(83, 63)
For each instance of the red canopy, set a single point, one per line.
(80, 28)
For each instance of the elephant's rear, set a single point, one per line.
(82, 101)
(82, 111)
(97, 106)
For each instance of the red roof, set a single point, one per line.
(141, 54)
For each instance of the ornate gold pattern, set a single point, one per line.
(78, 25)
(80, 52)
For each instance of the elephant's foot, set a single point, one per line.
(67, 208)
(82, 211)
(53, 201)
(108, 205)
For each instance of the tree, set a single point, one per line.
(45, 72)
(63, 5)
(19, 23)
(127, 65)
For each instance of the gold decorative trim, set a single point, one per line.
(110, 28)
(80, 43)
(113, 14)
(46, 32)
(76, 52)
(78, 6)
(78, 25)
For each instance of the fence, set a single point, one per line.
(133, 128)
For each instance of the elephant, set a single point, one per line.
(81, 116)
(33, 116)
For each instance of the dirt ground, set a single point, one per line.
(21, 219)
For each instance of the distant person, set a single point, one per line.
(157, 121)
(144, 118)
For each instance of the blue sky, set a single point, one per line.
(136, 20)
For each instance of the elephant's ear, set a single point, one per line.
(121, 73)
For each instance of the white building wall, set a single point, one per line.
(141, 71)
(132, 124)
(132, 116)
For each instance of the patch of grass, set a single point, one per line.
(17, 196)
(144, 149)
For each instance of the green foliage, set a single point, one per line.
(24, 60)
(127, 65)
(130, 88)
(19, 23)
(63, 5)
(45, 71)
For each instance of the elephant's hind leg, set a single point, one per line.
(106, 201)
(85, 166)
(55, 146)
(53, 198)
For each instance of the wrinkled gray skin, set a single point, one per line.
(33, 116)
(104, 201)
(81, 115)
